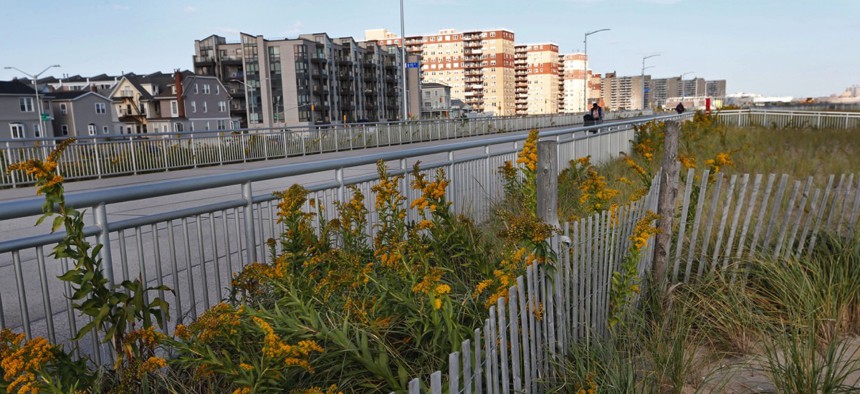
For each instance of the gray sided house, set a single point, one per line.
(82, 113)
(178, 102)
(19, 111)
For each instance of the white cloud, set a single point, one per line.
(189, 9)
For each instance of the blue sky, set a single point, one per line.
(773, 47)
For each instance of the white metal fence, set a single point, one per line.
(196, 250)
(790, 119)
(100, 156)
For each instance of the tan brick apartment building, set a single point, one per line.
(477, 65)
(537, 79)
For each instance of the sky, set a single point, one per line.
(799, 48)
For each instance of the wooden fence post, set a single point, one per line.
(547, 182)
(666, 201)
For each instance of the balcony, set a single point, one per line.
(320, 76)
(319, 60)
(472, 65)
(204, 60)
(345, 76)
(231, 59)
(473, 44)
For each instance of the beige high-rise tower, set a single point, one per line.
(477, 65)
(542, 65)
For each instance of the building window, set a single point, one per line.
(63, 109)
(17, 130)
(91, 129)
(222, 124)
(36, 132)
(222, 106)
(193, 106)
(105, 130)
(205, 89)
(177, 127)
(64, 129)
(205, 107)
(100, 108)
(26, 104)
(174, 108)
(196, 89)
(217, 89)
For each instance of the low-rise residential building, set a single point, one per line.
(177, 102)
(101, 83)
(19, 111)
(435, 101)
(79, 113)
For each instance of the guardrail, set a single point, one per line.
(196, 250)
(100, 156)
(790, 119)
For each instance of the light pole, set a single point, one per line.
(585, 69)
(644, 88)
(36, 88)
(403, 60)
(683, 88)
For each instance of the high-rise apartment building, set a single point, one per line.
(536, 70)
(521, 79)
(577, 80)
(716, 89)
(477, 65)
(312, 79)
(623, 93)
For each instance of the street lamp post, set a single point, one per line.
(644, 88)
(36, 88)
(683, 88)
(403, 60)
(585, 69)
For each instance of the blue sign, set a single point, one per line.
(412, 65)
(647, 90)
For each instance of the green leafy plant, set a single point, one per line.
(114, 311)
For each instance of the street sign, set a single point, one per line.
(46, 116)
(412, 65)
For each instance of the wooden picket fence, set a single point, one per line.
(719, 218)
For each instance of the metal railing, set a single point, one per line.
(196, 249)
(790, 119)
(101, 156)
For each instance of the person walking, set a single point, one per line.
(597, 113)
(680, 108)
